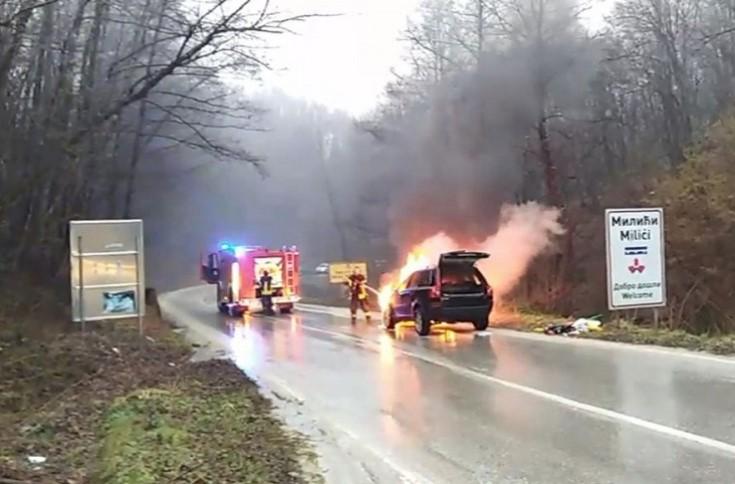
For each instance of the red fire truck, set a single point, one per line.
(236, 271)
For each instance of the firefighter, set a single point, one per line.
(266, 293)
(358, 295)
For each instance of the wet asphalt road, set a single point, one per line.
(461, 407)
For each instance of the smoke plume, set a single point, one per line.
(468, 149)
(472, 152)
(524, 232)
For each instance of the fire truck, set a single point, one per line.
(236, 270)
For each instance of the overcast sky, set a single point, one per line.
(344, 62)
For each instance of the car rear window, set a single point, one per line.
(457, 277)
(421, 279)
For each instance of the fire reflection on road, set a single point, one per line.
(296, 337)
(247, 345)
(446, 335)
(402, 405)
(513, 406)
(387, 350)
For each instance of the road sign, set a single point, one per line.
(107, 270)
(636, 263)
(340, 271)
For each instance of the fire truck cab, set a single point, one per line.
(236, 271)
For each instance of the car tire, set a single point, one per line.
(422, 321)
(285, 309)
(481, 324)
(389, 319)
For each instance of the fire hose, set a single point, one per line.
(373, 290)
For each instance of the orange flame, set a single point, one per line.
(416, 260)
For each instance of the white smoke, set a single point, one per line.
(525, 231)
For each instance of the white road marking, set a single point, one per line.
(670, 352)
(612, 345)
(271, 382)
(567, 402)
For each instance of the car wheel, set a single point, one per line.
(481, 324)
(422, 322)
(389, 319)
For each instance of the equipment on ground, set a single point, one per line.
(236, 270)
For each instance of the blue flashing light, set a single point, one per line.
(237, 250)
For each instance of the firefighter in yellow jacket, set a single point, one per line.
(266, 293)
(358, 295)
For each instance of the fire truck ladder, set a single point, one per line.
(290, 274)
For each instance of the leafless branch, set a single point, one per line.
(24, 11)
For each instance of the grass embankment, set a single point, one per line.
(627, 332)
(111, 407)
(208, 427)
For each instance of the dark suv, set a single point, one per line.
(452, 291)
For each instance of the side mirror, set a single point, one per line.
(210, 274)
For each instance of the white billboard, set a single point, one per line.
(636, 263)
(107, 269)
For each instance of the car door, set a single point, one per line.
(402, 306)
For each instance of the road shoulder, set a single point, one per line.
(110, 406)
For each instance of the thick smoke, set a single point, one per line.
(524, 232)
(476, 160)
(468, 147)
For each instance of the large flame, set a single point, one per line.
(416, 260)
(525, 231)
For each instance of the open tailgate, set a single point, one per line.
(462, 256)
(461, 279)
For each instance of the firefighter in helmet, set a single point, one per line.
(358, 295)
(266, 293)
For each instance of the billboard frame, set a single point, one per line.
(361, 266)
(78, 257)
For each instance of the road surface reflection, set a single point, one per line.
(465, 406)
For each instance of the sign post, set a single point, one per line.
(81, 282)
(636, 262)
(107, 270)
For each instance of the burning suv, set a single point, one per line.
(452, 291)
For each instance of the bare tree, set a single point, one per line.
(70, 72)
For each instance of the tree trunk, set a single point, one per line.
(551, 172)
(140, 121)
(134, 160)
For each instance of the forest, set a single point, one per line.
(114, 108)
(88, 87)
(521, 100)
